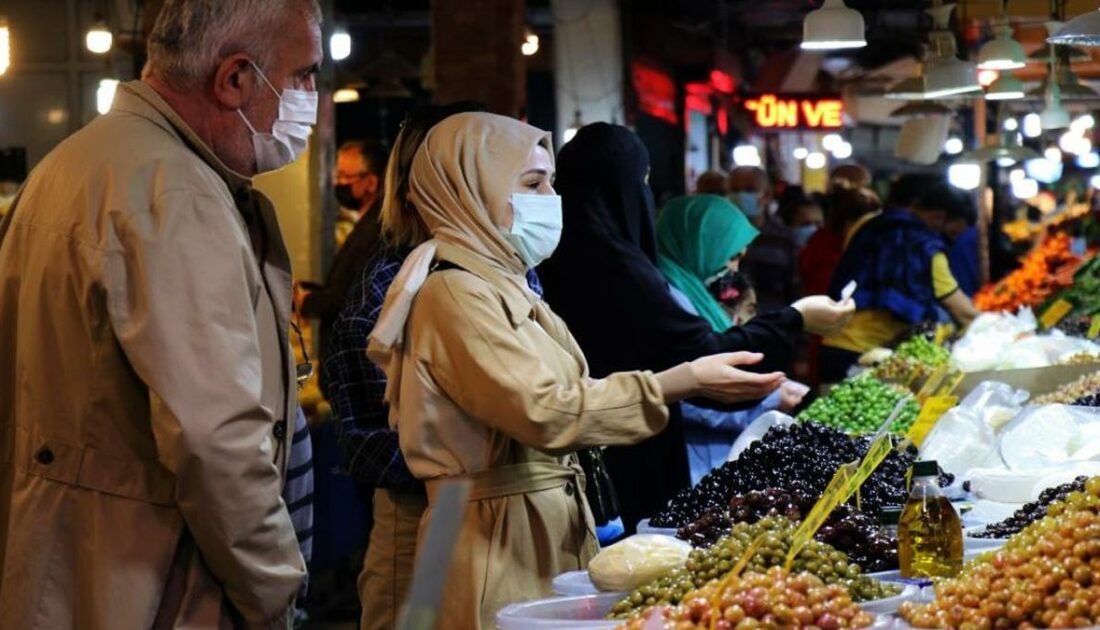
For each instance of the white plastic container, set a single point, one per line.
(586, 612)
(576, 583)
(644, 528)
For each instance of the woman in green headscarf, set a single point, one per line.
(699, 239)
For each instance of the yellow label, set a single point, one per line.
(942, 330)
(930, 413)
(1055, 313)
(1094, 327)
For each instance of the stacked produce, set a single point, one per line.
(1083, 293)
(860, 405)
(1081, 358)
(763, 600)
(1046, 270)
(1077, 326)
(707, 565)
(915, 358)
(1083, 389)
(1033, 511)
(1042, 578)
(800, 458)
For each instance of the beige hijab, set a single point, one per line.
(461, 183)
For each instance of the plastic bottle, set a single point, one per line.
(930, 536)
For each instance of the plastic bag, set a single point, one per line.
(640, 559)
(1048, 436)
(990, 337)
(757, 429)
(965, 437)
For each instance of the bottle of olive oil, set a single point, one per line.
(930, 536)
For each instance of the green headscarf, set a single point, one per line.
(696, 236)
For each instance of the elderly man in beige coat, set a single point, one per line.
(145, 377)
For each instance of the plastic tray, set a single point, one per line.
(644, 528)
(586, 612)
(576, 583)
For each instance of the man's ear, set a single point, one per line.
(235, 82)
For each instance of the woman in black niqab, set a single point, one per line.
(604, 282)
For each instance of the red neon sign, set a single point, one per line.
(771, 111)
(656, 92)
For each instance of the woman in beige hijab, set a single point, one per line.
(487, 384)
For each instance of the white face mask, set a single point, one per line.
(536, 227)
(289, 134)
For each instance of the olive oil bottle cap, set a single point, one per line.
(927, 468)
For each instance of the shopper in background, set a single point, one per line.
(960, 233)
(145, 292)
(801, 213)
(712, 183)
(899, 261)
(771, 261)
(700, 241)
(850, 176)
(604, 281)
(360, 166)
(356, 388)
(487, 384)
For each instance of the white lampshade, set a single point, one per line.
(833, 27)
(1054, 116)
(965, 175)
(906, 90)
(1002, 52)
(950, 76)
(1005, 88)
(1083, 30)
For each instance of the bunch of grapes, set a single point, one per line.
(774, 599)
(716, 562)
(1046, 576)
(859, 406)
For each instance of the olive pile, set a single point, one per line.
(920, 349)
(706, 565)
(899, 369)
(775, 599)
(859, 406)
(1046, 576)
(1031, 512)
(800, 458)
(1067, 394)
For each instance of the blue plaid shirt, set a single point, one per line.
(356, 387)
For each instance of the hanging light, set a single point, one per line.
(748, 155)
(98, 39)
(1083, 124)
(1088, 160)
(1005, 88)
(800, 153)
(953, 146)
(1002, 52)
(1054, 154)
(910, 89)
(831, 141)
(105, 95)
(345, 95)
(1025, 188)
(945, 74)
(1053, 116)
(339, 45)
(1033, 125)
(5, 45)
(842, 151)
(965, 175)
(1083, 30)
(1044, 170)
(530, 44)
(1011, 124)
(833, 27)
(1094, 181)
(1016, 174)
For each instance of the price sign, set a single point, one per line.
(1055, 313)
(1094, 327)
(930, 413)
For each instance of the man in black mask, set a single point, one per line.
(360, 170)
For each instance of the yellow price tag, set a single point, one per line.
(1055, 313)
(930, 413)
(1094, 327)
(942, 331)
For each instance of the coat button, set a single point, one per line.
(44, 456)
(569, 488)
(280, 430)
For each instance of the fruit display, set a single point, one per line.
(846, 529)
(1046, 270)
(1077, 326)
(800, 458)
(1031, 512)
(860, 405)
(1081, 358)
(920, 348)
(1046, 576)
(1083, 294)
(1069, 393)
(774, 599)
(716, 562)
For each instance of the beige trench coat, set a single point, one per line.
(495, 389)
(145, 383)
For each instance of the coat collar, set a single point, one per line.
(519, 300)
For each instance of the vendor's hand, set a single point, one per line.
(719, 378)
(791, 394)
(822, 316)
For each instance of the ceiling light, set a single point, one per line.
(833, 27)
(5, 45)
(1033, 126)
(345, 95)
(950, 76)
(1025, 188)
(1016, 174)
(1002, 52)
(842, 151)
(800, 153)
(1005, 162)
(1083, 30)
(1089, 160)
(339, 45)
(953, 146)
(1094, 181)
(1044, 170)
(530, 44)
(98, 39)
(965, 175)
(1005, 88)
(746, 155)
(987, 77)
(1054, 116)
(1011, 124)
(831, 141)
(1054, 154)
(105, 95)
(815, 161)
(910, 89)
(1083, 123)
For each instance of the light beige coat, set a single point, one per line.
(489, 385)
(145, 383)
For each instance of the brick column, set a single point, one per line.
(476, 46)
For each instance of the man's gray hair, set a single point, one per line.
(192, 37)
